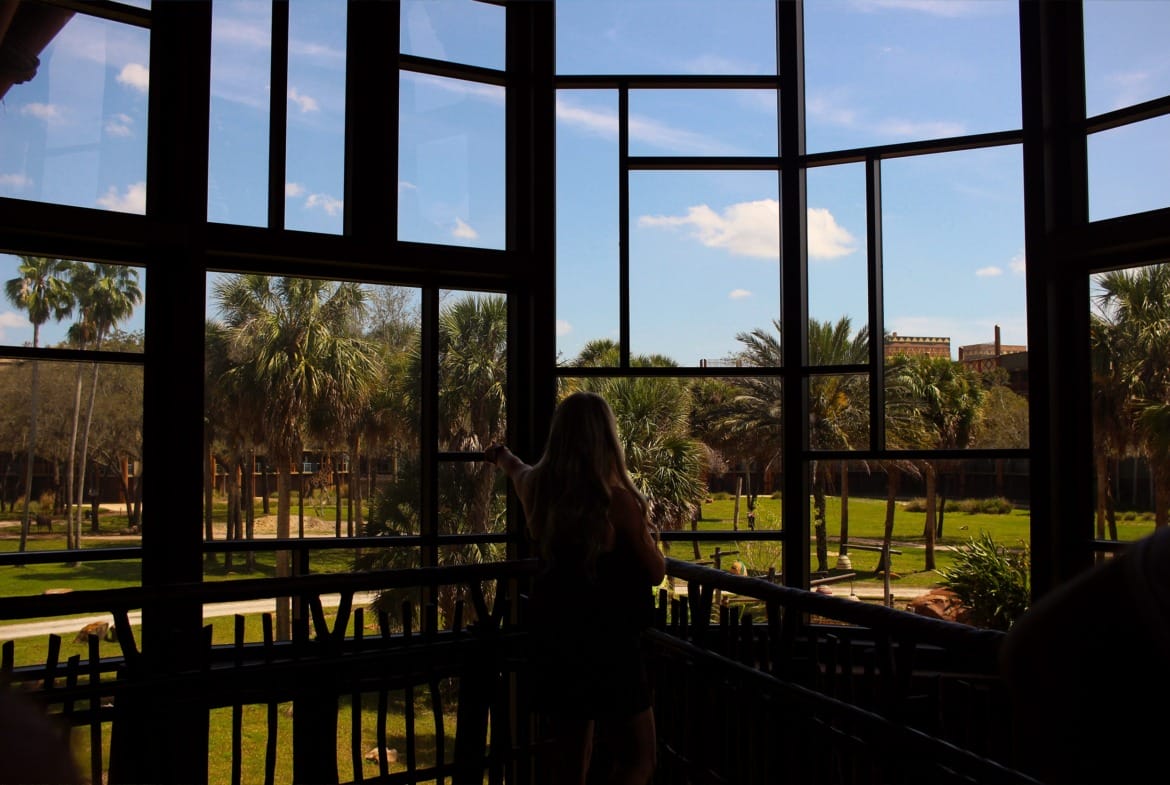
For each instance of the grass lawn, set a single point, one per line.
(866, 525)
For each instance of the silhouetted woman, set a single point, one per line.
(593, 596)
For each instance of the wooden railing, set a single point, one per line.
(799, 687)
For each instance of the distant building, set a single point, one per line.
(1012, 358)
(913, 345)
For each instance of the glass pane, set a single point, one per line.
(703, 122)
(241, 66)
(837, 270)
(682, 435)
(305, 462)
(459, 31)
(964, 500)
(953, 223)
(619, 37)
(88, 476)
(472, 500)
(451, 162)
(1127, 169)
(1125, 53)
(838, 405)
(315, 159)
(63, 303)
(473, 370)
(880, 73)
(73, 129)
(587, 220)
(1130, 343)
(704, 265)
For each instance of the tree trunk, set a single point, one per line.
(1100, 466)
(820, 525)
(73, 531)
(32, 449)
(930, 530)
(283, 630)
(83, 458)
(893, 476)
(843, 561)
(356, 521)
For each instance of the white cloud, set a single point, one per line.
(605, 125)
(563, 327)
(292, 190)
(136, 76)
(463, 231)
(753, 229)
(744, 229)
(946, 8)
(15, 180)
(990, 271)
(12, 319)
(919, 129)
(739, 294)
(50, 113)
(329, 204)
(119, 125)
(403, 185)
(827, 239)
(1018, 264)
(132, 201)
(304, 103)
(600, 123)
(834, 108)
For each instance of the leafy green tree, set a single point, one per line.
(106, 294)
(838, 404)
(654, 423)
(41, 288)
(948, 398)
(1133, 311)
(292, 343)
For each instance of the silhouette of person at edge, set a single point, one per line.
(1088, 672)
(592, 597)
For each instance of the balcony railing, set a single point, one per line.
(772, 685)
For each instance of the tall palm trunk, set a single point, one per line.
(930, 530)
(843, 545)
(73, 511)
(283, 558)
(1101, 468)
(893, 476)
(84, 457)
(820, 525)
(34, 393)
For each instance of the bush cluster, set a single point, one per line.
(991, 581)
(994, 506)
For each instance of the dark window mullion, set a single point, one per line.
(795, 514)
(877, 320)
(624, 225)
(429, 428)
(278, 116)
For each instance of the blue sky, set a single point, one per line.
(703, 246)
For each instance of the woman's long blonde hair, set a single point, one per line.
(572, 482)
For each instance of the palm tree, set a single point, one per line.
(293, 343)
(41, 289)
(654, 423)
(106, 294)
(837, 404)
(948, 398)
(1136, 303)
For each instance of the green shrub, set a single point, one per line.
(994, 506)
(915, 505)
(721, 496)
(990, 580)
(1129, 515)
(776, 495)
